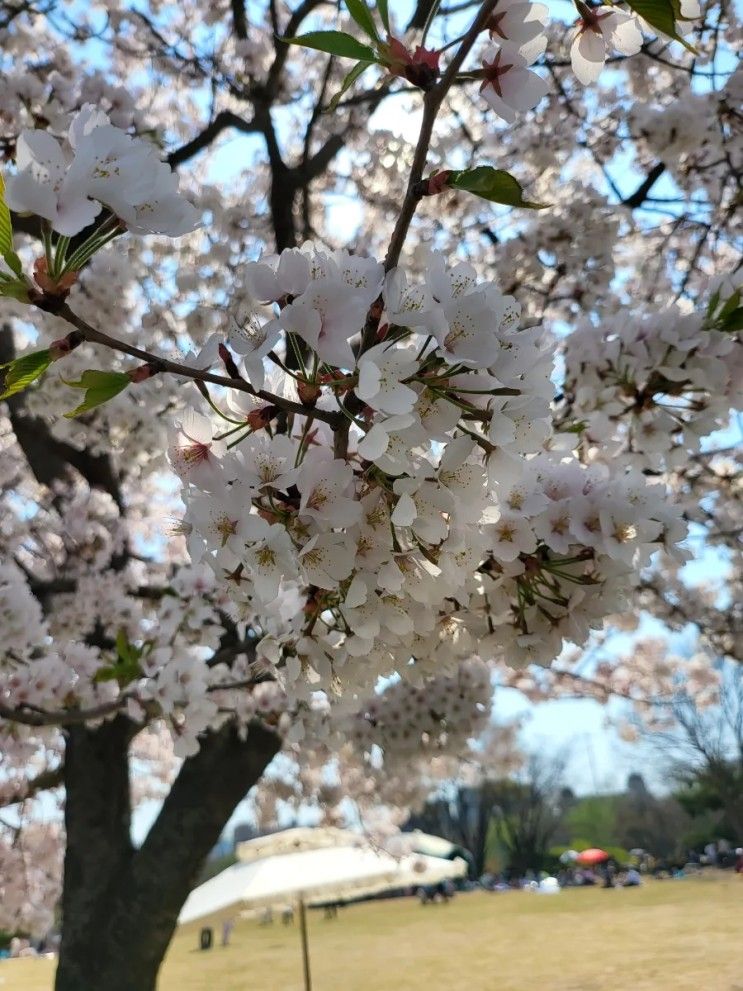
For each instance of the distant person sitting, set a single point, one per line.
(739, 860)
(426, 895)
(609, 873)
(633, 879)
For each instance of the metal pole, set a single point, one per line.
(305, 947)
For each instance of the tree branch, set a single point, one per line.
(431, 104)
(239, 19)
(282, 48)
(640, 194)
(158, 364)
(64, 717)
(44, 781)
(224, 120)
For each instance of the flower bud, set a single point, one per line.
(308, 392)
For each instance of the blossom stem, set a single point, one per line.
(284, 368)
(425, 345)
(87, 249)
(429, 20)
(297, 353)
(304, 440)
(452, 43)
(240, 439)
(222, 415)
(230, 432)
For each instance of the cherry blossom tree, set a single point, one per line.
(333, 393)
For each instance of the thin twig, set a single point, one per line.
(431, 105)
(158, 364)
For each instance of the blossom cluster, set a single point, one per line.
(31, 878)
(428, 518)
(20, 612)
(651, 387)
(97, 165)
(167, 638)
(518, 33)
(697, 137)
(519, 37)
(407, 721)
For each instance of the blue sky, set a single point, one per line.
(597, 759)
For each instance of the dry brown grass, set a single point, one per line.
(667, 936)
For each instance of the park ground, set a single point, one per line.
(680, 935)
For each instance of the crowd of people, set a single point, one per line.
(22, 946)
(613, 874)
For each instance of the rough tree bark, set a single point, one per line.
(120, 904)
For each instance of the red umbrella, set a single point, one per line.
(592, 856)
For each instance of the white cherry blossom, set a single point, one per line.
(382, 370)
(510, 87)
(601, 29)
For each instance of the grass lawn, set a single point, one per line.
(680, 935)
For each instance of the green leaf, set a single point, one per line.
(15, 289)
(348, 82)
(99, 386)
(731, 304)
(335, 43)
(14, 263)
(712, 305)
(363, 17)
(122, 644)
(6, 228)
(734, 322)
(494, 185)
(126, 668)
(727, 318)
(21, 372)
(661, 15)
(384, 14)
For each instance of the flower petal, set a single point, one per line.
(588, 53)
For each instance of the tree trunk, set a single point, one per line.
(120, 905)
(98, 852)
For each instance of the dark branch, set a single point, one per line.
(640, 194)
(44, 781)
(221, 122)
(239, 19)
(420, 15)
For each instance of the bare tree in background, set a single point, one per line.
(704, 748)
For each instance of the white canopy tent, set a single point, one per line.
(327, 874)
(310, 875)
(417, 841)
(297, 840)
(413, 871)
